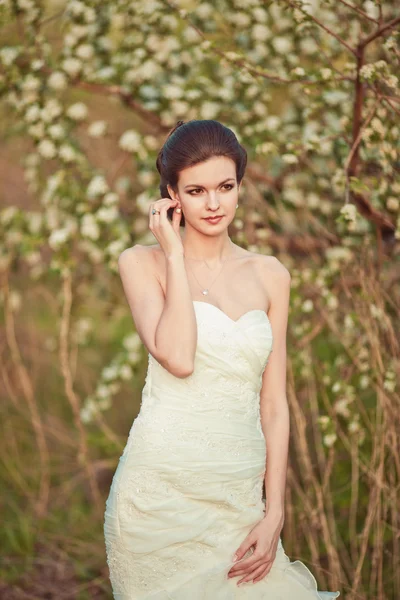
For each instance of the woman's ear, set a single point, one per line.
(171, 192)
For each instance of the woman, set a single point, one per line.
(188, 491)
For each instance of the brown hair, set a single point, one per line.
(196, 141)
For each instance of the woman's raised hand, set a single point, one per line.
(166, 231)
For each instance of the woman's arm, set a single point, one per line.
(273, 401)
(166, 326)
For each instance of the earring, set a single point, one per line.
(237, 205)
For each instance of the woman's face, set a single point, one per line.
(208, 189)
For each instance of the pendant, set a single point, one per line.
(205, 292)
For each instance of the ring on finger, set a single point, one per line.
(155, 212)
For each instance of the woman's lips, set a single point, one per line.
(214, 220)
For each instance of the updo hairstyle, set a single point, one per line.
(190, 143)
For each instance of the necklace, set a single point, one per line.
(206, 290)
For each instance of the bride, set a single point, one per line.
(186, 517)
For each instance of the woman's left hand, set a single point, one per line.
(265, 537)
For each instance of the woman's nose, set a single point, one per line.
(213, 201)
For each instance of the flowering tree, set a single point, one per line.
(311, 91)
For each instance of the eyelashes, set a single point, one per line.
(230, 186)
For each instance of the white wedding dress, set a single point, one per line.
(188, 487)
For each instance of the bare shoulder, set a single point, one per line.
(274, 267)
(270, 267)
(277, 281)
(137, 253)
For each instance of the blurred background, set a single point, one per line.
(88, 93)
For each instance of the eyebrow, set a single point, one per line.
(200, 186)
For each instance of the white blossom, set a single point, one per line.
(172, 92)
(371, 9)
(332, 302)
(209, 110)
(57, 80)
(56, 131)
(109, 373)
(30, 83)
(290, 159)
(341, 407)
(110, 199)
(364, 382)
(329, 439)
(354, 425)
(89, 410)
(130, 141)
(97, 187)
(349, 211)
(37, 130)
(7, 215)
(58, 237)
(392, 81)
(47, 149)
(72, 66)
(51, 110)
(392, 203)
(90, 227)
(76, 8)
(299, 71)
(34, 221)
(105, 73)
(90, 15)
(67, 153)
(272, 122)
(77, 111)
(326, 73)
(294, 195)
(204, 10)
(260, 32)
(97, 128)
(107, 214)
(84, 51)
(32, 113)
(324, 421)
(115, 248)
(307, 306)
(283, 45)
(8, 54)
(132, 342)
(367, 71)
(125, 372)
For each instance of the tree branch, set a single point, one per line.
(359, 11)
(324, 27)
(380, 31)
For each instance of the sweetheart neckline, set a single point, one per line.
(253, 310)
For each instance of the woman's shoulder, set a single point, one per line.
(141, 250)
(267, 264)
(146, 255)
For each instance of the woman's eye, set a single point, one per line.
(227, 185)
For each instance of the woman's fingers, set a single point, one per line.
(166, 233)
(263, 573)
(158, 206)
(176, 218)
(246, 567)
(255, 572)
(158, 218)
